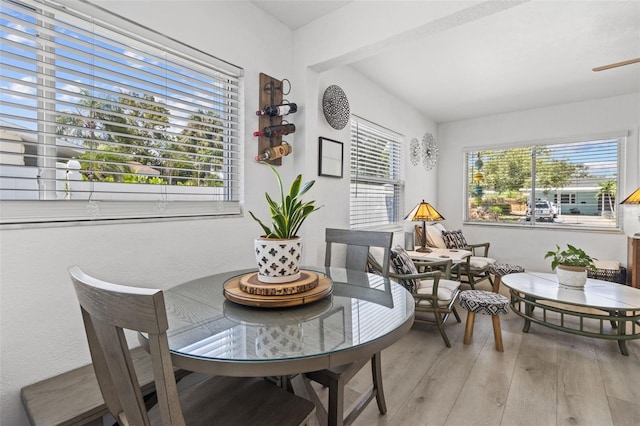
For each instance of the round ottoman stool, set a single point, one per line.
(499, 270)
(487, 303)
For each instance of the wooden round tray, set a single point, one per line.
(233, 292)
(251, 284)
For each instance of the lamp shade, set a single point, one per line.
(634, 198)
(424, 212)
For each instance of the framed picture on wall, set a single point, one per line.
(330, 158)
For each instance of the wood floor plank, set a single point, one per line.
(533, 391)
(402, 371)
(620, 374)
(624, 412)
(485, 391)
(544, 377)
(581, 394)
(434, 396)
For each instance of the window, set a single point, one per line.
(102, 119)
(377, 189)
(573, 184)
(565, 198)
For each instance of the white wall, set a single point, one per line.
(528, 246)
(41, 332)
(367, 101)
(40, 329)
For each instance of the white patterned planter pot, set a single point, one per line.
(278, 260)
(571, 276)
(279, 341)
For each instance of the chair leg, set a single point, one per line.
(455, 313)
(440, 324)
(336, 402)
(471, 281)
(376, 371)
(468, 330)
(496, 283)
(497, 332)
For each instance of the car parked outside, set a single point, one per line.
(545, 211)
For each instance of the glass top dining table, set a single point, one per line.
(208, 333)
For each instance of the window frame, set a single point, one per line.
(620, 136)
(396, 167)
(194, 204)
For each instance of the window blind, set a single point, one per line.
(99, 122)
(571, 184)
(377, 188)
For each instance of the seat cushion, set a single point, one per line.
(402, 264)
(446, 290)
(480, 261)
(220, 400)
(454, 239)
(607, 264)
(502, 269)
(484, 302)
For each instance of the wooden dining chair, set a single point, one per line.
(357, 245)
(107, 309)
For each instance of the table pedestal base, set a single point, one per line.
(591, 322)
(335, 380)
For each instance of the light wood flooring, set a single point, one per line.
(543, 377)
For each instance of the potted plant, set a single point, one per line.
(571, 265)
(279, 250)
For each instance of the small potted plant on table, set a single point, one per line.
(279, 250)
(571, 265)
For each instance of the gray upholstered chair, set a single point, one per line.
(430, 284)
(107, 309)
(357, 245)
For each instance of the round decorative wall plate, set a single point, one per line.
(415, 151)
(430, 151)
(335, 106)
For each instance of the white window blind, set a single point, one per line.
(573, 184)
(377, 188)
(103, 119)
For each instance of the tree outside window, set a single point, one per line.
(565, 184)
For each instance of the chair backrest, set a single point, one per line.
(107, 309)
(357, 246)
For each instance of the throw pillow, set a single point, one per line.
(454, 239)
(434, 236)
(402, 264)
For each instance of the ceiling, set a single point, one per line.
(298, 13)
(534, 54)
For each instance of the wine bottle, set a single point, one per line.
(275, 152)
(278, 110)
(277, 130)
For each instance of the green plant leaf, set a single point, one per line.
(288, 215)
(267, 230)
(307, 186)
(571, 256)
(295, 187)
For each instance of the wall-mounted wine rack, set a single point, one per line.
(271, 93)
